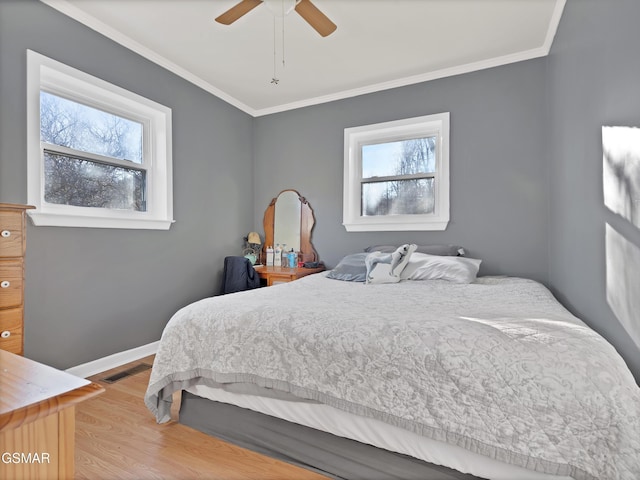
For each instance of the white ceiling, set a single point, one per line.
(379, 44)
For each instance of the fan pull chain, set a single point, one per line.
(283, 17)
(274, 79)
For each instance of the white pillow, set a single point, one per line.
(379, 264)
(422, 266)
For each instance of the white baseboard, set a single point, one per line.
(112, 361)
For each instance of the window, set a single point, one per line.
(396, 175)
(98, 155)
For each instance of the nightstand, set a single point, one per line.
(274, 275)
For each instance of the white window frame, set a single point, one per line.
(417, 127)
(43, 73)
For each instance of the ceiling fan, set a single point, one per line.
(307, 10)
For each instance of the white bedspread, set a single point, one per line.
(497, 367)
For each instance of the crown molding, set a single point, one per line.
(70, 10)
(553, 25)
(541, 51)
(411, 80)
(93, 23)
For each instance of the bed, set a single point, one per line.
(489, 379)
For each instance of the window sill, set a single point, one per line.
(48, 219)
(385, 225)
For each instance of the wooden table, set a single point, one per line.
(274, 275)
(37, 418)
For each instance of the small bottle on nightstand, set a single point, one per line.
(292, 259)
(277, 259)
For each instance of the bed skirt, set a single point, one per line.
(327, 454)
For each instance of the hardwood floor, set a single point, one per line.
(118, 438)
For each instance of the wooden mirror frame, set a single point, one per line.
(307, 221)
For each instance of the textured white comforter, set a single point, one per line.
(498, 367)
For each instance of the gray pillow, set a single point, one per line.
(443, 250)
(350, 269)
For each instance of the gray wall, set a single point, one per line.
(594, 76)
(94, 292)
(499, 170)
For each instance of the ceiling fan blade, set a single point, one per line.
(315, 18)
(237, 11)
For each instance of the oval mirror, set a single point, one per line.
(286, 222)
(289, 220)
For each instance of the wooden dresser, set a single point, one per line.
(13, 224)
(37, 419)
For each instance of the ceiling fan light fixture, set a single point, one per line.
(281, 8)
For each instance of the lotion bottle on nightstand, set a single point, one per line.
(277, 259)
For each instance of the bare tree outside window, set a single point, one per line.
(398, 177)
(83, 183)
(90, 156)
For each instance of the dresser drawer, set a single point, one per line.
(11, 330)
(11, 279)
(11, 234)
